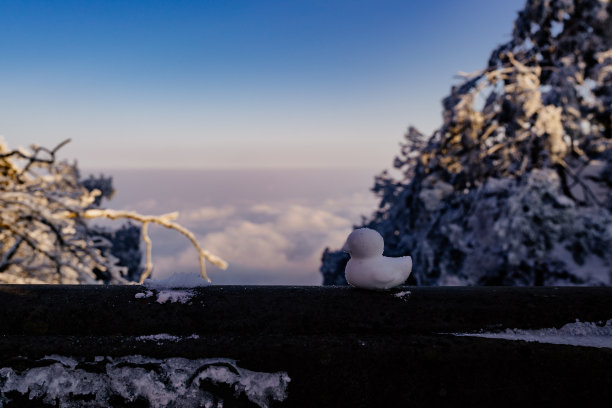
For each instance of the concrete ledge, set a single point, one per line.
(341, 346)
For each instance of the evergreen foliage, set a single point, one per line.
(124, 243)
(101, 183)
(515, 187)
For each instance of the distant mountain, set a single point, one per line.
(515, 187)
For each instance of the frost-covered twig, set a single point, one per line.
(144, 233)
(43, 233)
(166, 220)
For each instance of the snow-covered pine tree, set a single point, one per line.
(515, 187)
(122, 244)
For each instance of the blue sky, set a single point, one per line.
(246, 83)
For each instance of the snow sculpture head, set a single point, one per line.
(364, 243)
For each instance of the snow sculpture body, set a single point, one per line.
(368, 268)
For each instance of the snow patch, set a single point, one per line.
(174, 296)
(575, 334)
(143, 295)
(166, 293)
(173, 382)
(169, 290)
(402, 295)
(65, 361)
(162, 337)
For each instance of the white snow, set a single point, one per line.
(66, 361)
(174, 296)
(556, 27)
(593, 269)
(166, 291)
(174, 382)
(402, 295)
(576, 334)
(167, 295)
(162, 337)
(143, 295)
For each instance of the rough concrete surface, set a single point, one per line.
(341, 346)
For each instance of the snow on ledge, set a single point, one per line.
(69, 382)
(584, 334)
(165, 337)
(174, 296)
(167, 295)
(403, 295)
(174, 289)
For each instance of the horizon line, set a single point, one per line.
(235, 168)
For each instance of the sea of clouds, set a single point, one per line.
(270, 225)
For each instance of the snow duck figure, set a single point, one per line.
(368, 268)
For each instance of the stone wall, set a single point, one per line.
(311, 346)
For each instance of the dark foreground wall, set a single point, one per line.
(339, 346)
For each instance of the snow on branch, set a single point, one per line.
(44, 236)
(166, 220)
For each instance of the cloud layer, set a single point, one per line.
(270, 225)
(266, 243)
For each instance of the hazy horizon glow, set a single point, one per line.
(271, 226)
(188, 84)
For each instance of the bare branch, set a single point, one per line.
(149, 245)
(165, 220)
(46, 210)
